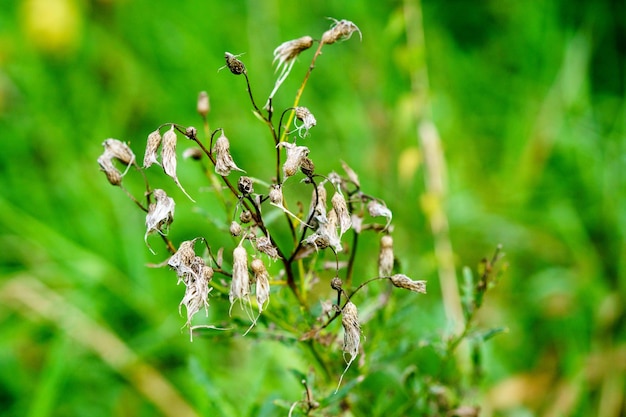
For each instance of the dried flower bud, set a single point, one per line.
(295, 155)
(308, 121)
(235, 229)
(119, 150)
(261, 278)
(350, 323)
(342, 30)
(152, 146)
(168, 156)
(402, 281)
(197, 289)
(329, 229)
(193, 153)
(245, 216)
(203, 106)
(288, 51)
(245, 185)
(114, 176)
(376, 209)
(181, 260)
(160, 214)
(276, 194)
(307, 166)
(385, 256)
(240, 284)
(223, 160)
(336, 283)
(191, 132)
(264, 244)
(341, 209)
(234, 65)
(352, 176)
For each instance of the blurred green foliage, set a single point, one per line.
(528, 98)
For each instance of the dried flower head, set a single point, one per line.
(264, 245)
(191, 132)
(352, 335)
(223, 160)
(193, 153)
(308, 121)
(203, 106)
(378, 209)
(181, 260)
(196, 288)
(240, 284)
(307, 166)
(295, 155)
(287, 52)
(235, 229)
(168, 157)
(402, 281)
(152, 146)
(245, 185)
(262, 283)
(276, 195)
(245, 216)
(340, 31)
(341, 209)
(114, 176)
(385, 256)
(317, 209)
(119, 150)
(160, 214)
(234, 65)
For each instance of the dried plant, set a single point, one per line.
(258, 267)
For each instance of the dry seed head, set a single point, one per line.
(234, 65)
(245, 185)
(307, 166)
(203, 106)
(385, 256)
(276, 194)
(341, 209)
(152, 146)
(160, 214)
(377, 209)
(342, 30)
(261, 278)
(264, 245)
(245, 216)
(119, 150)
(295, 155)
(402, 281)
(181, 260)
(191, 132)
(352, 331)
(114, 176)
(235, 229)
(240, 284)
(308, 120)
(288, 51)
(223, 160)
(168, 157)
(336, 283)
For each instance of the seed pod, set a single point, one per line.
(223, 160)
(307, 166)
(152, 145)
(336, 283)
(385, 256)
(402, 281)
(295, 155)
(234, 65)
(352, 331)
(191, 132)
(261, 279)
(245, 216)
(168, 156)
(342, 30)
(119, 150)
(114, 176)
(160, 214)
(203, 105)
(264, 244)
(181, 260)
(235, 229)
(240, 284)
(276, 194)
(245, 185)
(341, 209)
(288, 51)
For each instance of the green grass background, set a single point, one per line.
(528, 98)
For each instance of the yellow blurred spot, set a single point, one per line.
(408, 162)
(53, 26)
